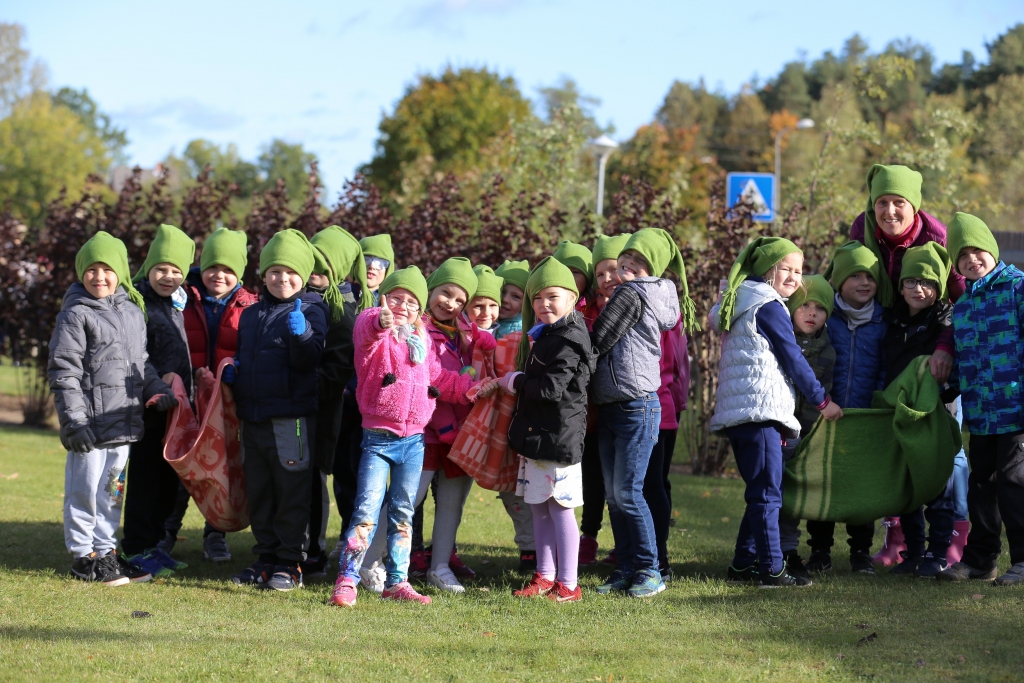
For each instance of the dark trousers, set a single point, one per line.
(939, 514)
(758, 450)
(593, 487)
(995, 498)
(417, 518)
(347, 455)
(172, 525)
(151, 493)
(319, 515)
(277, 459)
(669, 436)
(656, 496)
(821, 536)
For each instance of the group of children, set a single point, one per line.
(345, 365)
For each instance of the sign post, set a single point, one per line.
(757, 189)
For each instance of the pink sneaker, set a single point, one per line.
(344, 594)
(459, 568)
(404, 591)
(588, 551)
(419, 564)
(961, 529)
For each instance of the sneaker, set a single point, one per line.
(405, 591)
(908, 566)
(860, 563)
(961, 571)
(314, 569)
(167, 542)
(215, 548)
(339, 548)
(419, 564)
(253, 575)
(373, 577)
(795, 565)
(527, 561)
(134, 574)
(284, 578)
(588, 551)
(108, 572)
(1014, 576)
(459, 568)
(444, 578)
(646, 583)
(344, 593)
(618, 582)
(931, 566)
(84, 567)
(559, 593)
(744, 575)
(611, 558)
(538, 587)
(150, 563)
(783, 580)
(819, 561)
(168, 561)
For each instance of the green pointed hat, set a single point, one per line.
(291, 249)
(966, 230)
(550, 272)
(882, 180)
(514, 273)
(608, 247)
(813, 288)
(757, 258)
(410, 279)
(457, 271)
(487, 283)
(225, 248)
(169, 245)
(657, 247)
(850, 259)
(379, 246)
(928, 262)
(576, 257)
(105, 248)
(343, 257)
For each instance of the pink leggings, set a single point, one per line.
(558, 542)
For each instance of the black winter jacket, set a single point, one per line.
(166, 345)
(909, 337)
(277, 372)
(551, 413)
(337, 368)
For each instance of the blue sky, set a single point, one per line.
(321, 73)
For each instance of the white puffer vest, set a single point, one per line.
(751, 384)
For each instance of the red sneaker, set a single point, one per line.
(404, 591)
(538, 587)
(344, 594)
(588, 551)
(611, 558)
(459, 568)
(562, 594)
(419, 564)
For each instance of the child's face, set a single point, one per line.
(582, 283)
(403, 305)
(282, 282)
(219, 280)
(920, 294)
(632, 265)
(788, 274)
(318, 281)
(446, 302)
(376, 270)
(552, 304)
(858, 289)
(483, 311)
(165, 278)
(894, 214)
(606, 276)
(511, 302)
(974, 263)
(100, 280)
(809, 318)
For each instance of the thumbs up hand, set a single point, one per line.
(297, 323)
(387, 318)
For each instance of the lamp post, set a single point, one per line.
(802, 124)
(604, 146)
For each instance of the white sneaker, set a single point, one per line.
(338, 549)
(373, 577)
(443, 578)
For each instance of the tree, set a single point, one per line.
(19, 76)
(115, 139)
(1005, 57)
(290, 163)
(693, 107)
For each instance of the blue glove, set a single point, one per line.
(228, 376)
(297, 324)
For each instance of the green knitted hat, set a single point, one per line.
(607, 247)
(757, 258)
(170, 245)
(577, 257)
(487, 283)
(850, 259)
(966, 230)
(550, 272)
(225, 248)
(379, 246)
(410, 279)
(657, 247)
(814, 288)
(291, 249)
(457, 271)
(927, 262)
(105, 248)
(344, 258)
(514, 273)
(898, 180)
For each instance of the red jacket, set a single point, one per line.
(227, 332)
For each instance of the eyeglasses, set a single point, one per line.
(374, 263)
(411, 306)
(911, 283)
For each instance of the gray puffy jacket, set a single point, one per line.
(97, 370)
(631, 369)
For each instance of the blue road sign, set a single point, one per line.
(755, 188)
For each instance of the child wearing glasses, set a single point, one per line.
(380, 261)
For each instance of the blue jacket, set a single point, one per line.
(990, 351)
(277, 372)
(860, 370)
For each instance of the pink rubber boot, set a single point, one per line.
(956, 547)
(894, 544)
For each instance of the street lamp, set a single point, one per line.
(604, 146)
(802, 124)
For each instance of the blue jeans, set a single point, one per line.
(384, 453)
(626, 437)
(758, 450)
(961, 474)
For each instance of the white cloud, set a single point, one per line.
(185, 112)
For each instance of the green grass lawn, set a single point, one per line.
(203, 628)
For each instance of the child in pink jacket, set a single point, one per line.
(399, 380)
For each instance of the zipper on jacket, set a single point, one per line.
(298, 434)
(849, 371)
(129, 385)
(255, 348)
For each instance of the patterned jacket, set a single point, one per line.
(987, 325)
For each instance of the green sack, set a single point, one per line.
(875, 462)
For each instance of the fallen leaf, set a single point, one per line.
(485, 561)
(977, 596)
(863, 625)
(840, 656)
(137, 614)
(489, 634)
(962, 659)
(717, 490)
(12, 476)
(725, 519)
(182, 538)
(675, 513)
(868, 638)
(706, 494)
(987, 652)
(920, 662)
(484, 589)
